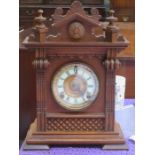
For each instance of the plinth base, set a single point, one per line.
(40, 140)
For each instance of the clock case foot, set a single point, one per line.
(115, 147)
(112, 140)
(26, 146)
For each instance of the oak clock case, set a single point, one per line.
(75, 63)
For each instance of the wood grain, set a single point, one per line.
(96, 50)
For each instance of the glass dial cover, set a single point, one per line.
(75, 86)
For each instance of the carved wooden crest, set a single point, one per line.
(75, 26)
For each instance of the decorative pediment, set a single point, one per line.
(74, 26)
(76, 10)
(75, 17)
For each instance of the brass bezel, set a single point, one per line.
(62, 103)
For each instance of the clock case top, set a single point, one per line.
(54, 47)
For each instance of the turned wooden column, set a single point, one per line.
(111, 64)
(40, 64)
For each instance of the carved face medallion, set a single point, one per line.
(75, 86)
(76, 30)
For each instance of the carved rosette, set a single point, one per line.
(76, 30)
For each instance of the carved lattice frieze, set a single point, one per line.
(75, 124)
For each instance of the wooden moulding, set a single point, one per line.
(56, 115)
(113, 137)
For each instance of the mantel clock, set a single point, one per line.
(75, 63)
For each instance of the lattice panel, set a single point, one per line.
(75, 124)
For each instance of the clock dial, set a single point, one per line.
(75, 86)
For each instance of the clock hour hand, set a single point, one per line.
(75, 69)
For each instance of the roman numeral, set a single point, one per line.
(75, 100)
(62, 78)
(88, 78)
(68, 73)
(83, 99)
(68, 98)
(60, 86)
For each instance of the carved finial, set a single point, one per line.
(58, 14)
(76, 7)
(95, 13)
(39, 20)
(111, 18)
(76, 4)
(58, 11)
(111, 29)
(40, 28)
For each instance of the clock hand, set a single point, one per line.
(75, 69)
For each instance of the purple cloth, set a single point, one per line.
(129, 102)
(81, 151)
(85, 150)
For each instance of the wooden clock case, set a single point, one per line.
(54, 47)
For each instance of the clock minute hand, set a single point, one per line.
(75, 69)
